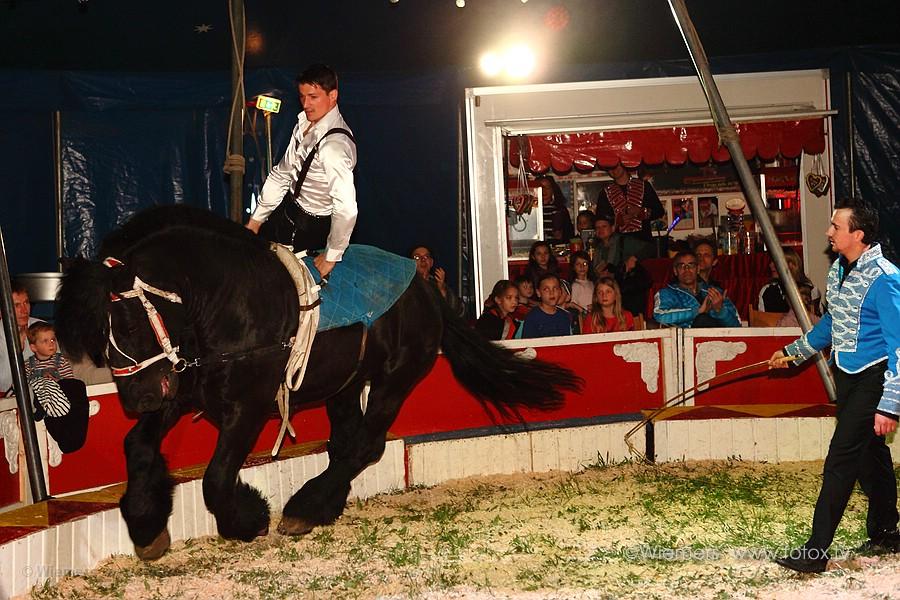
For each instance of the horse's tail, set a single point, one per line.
(82, 310)
(494, 374)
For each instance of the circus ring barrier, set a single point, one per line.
(441, 433)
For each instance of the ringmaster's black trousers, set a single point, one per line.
(856, 454)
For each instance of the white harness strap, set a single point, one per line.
(307, 323)
(137, 290)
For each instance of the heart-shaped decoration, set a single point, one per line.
(814, 181)
(824, 184)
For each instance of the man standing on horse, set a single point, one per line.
(311, 191)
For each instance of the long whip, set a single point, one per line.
(682, 396)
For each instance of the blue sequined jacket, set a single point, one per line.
(862, 324)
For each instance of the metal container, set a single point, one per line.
(784, 220)
(41, 287)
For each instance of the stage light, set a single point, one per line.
(519, 61)
(460, 3)
(491, 64)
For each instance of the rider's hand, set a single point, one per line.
(253, 225)
(322, 265)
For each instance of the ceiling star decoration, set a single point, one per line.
(204, 28)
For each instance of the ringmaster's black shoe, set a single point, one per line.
(886, 542)
(800, 561)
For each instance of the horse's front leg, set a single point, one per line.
(241, 511)
(147, 502)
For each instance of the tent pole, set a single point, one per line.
(23, 393)
(236, 147)
(728, 135)
(57, 185)
(851, 152)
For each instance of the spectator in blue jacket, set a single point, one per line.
(690, 302)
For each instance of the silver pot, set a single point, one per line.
(785, 220)
(41, 287)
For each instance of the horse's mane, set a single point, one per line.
(162, 218)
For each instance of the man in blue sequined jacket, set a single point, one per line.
(862, 326)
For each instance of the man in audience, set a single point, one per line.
(22, 309)
(437, 277)
(705, 251)
(690, 302)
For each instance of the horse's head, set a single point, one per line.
(104, 313)
(145, 323)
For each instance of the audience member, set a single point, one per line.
(606, 313)
(789, 319)
(547, 319)
(437, 277)
(527, 300)
(22, 310)
(497, 322)
(635, 283)
(772, 296)
(47, 364)
(541, 262)
(557, 221)
(610, 248)
(634, 204)
(582, 284)
(60, 400)
(689, 302)
(585, 220)
(706, 251)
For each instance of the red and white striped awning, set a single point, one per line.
(674, 145)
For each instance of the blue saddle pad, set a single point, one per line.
(362, 286)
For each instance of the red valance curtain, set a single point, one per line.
(674, 145)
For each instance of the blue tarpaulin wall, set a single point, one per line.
(130, 141)
(133, 140)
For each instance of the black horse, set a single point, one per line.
(236, 307)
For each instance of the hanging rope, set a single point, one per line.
(234, 163)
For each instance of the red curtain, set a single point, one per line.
(675, 145)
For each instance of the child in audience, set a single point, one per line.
(60, 400)
(542, 261)
(526, 297)
(582, 284)
(497, 322)
(606, 313)
(47, 361)
(547, 319)
(789, 319)
(585, 220)
(43, 370)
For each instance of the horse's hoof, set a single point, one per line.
(294, 526)
(156, 548)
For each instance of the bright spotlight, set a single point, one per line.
(460, 3)
(491, 64)
(519, 61)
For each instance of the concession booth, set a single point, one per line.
(660, 130)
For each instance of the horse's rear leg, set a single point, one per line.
(147, 502)
(356, 441)
(241, 511)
